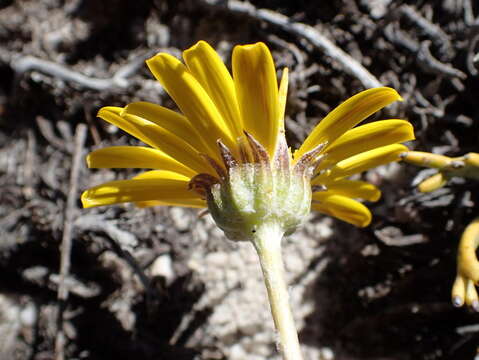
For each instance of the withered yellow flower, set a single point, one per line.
(466, 166)
(226, 121)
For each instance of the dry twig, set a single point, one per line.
(80, 136)
(118, 239)
(471, 55)
(98, 223)
(434, 32)
(434, 66)
(21, 64)
(28, 170)
(48, 132)
(423, 55)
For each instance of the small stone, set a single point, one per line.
(180, 218)
(218, 259)
(327, 354)
(237, 353)
(163, 266)
(28, 315)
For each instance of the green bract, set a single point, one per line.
(256, 192)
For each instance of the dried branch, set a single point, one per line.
(468, 13)
(48, 132)
(131, 261)
(434, 32)
(321, 42)
(119, 241)
(401, 38)
(97, 223)
(471, 55)
(28, 170)
(22, 64)
(423, 55)
(66, 245)
(434, 66)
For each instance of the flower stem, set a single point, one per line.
(267, 242)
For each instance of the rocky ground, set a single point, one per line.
(163, 283)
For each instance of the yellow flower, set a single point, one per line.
(226, 120)
(227, 151)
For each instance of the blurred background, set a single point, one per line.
(163, 283)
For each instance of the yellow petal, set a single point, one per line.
(124, 157)
(257, 92)
(192, 100)
(367, 137)
(433, 183)
(210, 71)
(353, 189)
(169, 120)
(343, 208)
(347, 115)
(136, 190)
(112, 115)
(194, 201)
(361, 162)
(191, 203)
(282, 96)
(155, 136)
(162, 174)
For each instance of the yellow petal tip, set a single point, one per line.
(376, 196)
(85, 201)
(398, 96)
(198, 46)
(88, 161)
(153, 58)
(250, 48)
(109, 109)
(393, 93)
(160, 59)
(364, 223)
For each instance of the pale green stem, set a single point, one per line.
(267, 241)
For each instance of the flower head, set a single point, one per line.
(227, 151)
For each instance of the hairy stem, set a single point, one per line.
(267, 242)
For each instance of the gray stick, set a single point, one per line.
(66, 245)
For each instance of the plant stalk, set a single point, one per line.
(267, 242)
